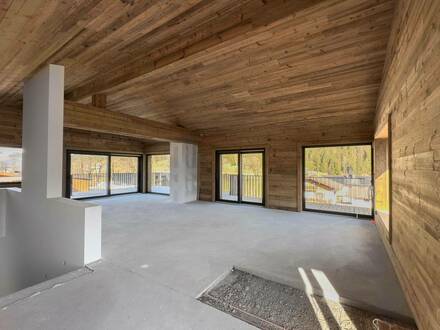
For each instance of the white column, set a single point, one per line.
(43, 112)
(49, 235)
(183, 185)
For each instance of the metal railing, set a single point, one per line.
(339, 193)
(160, 179)
(252, 185)
(124, 180)
(88, 182)
(93, 183)
(345, 189)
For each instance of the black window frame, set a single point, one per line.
(303, 176)
(239, 200)
(109, 173)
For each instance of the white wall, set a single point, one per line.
(183, 183)
(45, 235)
(8, 269)
(3, 197)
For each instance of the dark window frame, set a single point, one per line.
(239, 152)
(109, 173)
(303, 175)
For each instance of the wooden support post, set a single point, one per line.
(99, 100)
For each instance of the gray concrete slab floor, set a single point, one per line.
(159, 255)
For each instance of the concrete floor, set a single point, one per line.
(158, 256)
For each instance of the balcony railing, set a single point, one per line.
(252, 185)
(94, 184)
(160, 182)
(339, 194)
(160, 179)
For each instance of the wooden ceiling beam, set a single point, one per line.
(253, 21)
(93, 119)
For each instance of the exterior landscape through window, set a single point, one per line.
(338, 179)
(10, 165)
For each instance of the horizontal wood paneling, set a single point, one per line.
(411, 93)
(90, 118)
(10, 136)
(157, 148)
(282, 145)
(323, 61)
(10, 127)
(83, 140)
(205, 65)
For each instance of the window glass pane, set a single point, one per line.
(125, 174)
(159, 174)
(252, 177)
(10, 165)
(338, 179)
(229, 177)
(89, 176)
(382, 180)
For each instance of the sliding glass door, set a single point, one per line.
(101, 174)
(158, 174)
(251, 175)
(124, 174)
(240, 176)
(88, 175)
(228, 177)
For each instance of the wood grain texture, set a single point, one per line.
(411, 93)
(94, 119)
(206, 65)
(157, 148)
(322, 62)
(91, 141)
(85, 36)
(90, 118)
(282, 145)
(10, 126)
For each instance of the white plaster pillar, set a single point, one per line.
(49, 235)
(43, 113)
(183, 184)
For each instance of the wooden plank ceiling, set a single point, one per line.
(206, 65)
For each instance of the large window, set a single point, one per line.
(159, 174)
(101, 174)
(382, 175)
(124, 174)
(88, 175)
(240, 176)
(338, 179)
(10, 166)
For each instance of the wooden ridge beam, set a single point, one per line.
(252, 23)
(90, 118)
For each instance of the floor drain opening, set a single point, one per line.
(270, 305)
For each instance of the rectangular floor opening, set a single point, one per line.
(270, 305)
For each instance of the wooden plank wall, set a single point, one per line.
(411, 93)
(10, 136)
(283, 155)
(157, 148)
(84, 140)
(10, 127)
